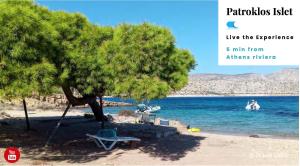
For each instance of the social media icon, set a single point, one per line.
(12, 154)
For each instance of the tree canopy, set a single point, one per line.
(42, 51)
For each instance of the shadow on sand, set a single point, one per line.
(71, 145)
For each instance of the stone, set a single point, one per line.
(254, 136)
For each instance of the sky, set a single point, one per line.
(193, 23)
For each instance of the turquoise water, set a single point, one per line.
(278, 116)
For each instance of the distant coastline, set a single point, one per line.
(281, 83)
(243, 95)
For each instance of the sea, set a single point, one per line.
(277, 117)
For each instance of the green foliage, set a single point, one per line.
(42, 50)
(25, 48)
(80, 65)
(146, 62)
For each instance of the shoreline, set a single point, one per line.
(183, 148)
(252, 135)
(77, 112)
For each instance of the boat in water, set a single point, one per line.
(252, 106)
(147, 109)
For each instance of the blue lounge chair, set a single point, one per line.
(107, 138)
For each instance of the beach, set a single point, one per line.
(143, 83)
(70, 145)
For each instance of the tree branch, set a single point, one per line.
(75, 101)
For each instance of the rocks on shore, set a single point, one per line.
(115, 104)
(54, 101)
(4, 115)
(254, 136)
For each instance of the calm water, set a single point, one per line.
(278, 116)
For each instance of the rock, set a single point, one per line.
(254, 136)
(89, 116)
(4, 115)
(115, 104)
(42, 98)
(110, 118)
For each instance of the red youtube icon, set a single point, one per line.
(12, 154)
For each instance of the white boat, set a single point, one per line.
(252, 106)
(153, 109)
(147, 109)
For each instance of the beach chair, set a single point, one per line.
(107, 138)
(146, 118)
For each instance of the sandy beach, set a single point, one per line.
(70, 145)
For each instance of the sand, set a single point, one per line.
(70, 146)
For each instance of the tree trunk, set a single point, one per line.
(90, 100)
(26, 115)
(97, 109)
(101, 110)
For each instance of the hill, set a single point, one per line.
(282, 83)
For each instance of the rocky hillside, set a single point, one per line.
(281, 83)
